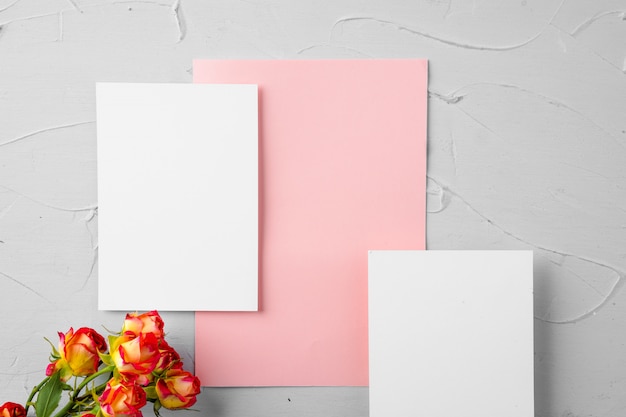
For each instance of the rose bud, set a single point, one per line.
(122, 399)
(150, 322)
(79, 353)
(177, 389)
(10, 409)
(135, 357)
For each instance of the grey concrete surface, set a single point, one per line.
(527, 150)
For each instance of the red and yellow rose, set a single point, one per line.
(78, 353)
(135, 356)
(10, 409)
(177, 389)
(168, 358)
(137, 324)
(122, 399)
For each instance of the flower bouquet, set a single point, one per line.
(137, 367)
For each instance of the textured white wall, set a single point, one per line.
(527, 150)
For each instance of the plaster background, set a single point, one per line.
(527, 150)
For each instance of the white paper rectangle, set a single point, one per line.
(177, 196)
(451, 333)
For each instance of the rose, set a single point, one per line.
(177, 389)
(135, 357)
(78, 353)
(122, 399)
(168, 359)
(10, 409)
(150, 322)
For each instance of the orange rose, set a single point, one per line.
(79, 353)
(122, 399)
(150, 322)
(177, 389)
(10, 409)
(135, 357)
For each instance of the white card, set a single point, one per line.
(451, 333)
(177, 197)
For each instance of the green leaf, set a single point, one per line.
(157, 407)
(49, 396)
(55, 353)
(106, 359)
(151, 393)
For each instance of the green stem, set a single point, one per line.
(35, 391)
(90, 378)
(98, 388)
(80, 387)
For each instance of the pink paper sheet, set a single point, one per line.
(342, 170)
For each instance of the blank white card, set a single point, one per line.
(177, 197)
(451, 333)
